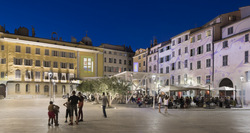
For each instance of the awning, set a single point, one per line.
(187, 88)
(224, 88)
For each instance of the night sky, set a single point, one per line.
(129, 22)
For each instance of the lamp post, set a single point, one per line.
(241, 79)
(53, 83)
(153, 78)
(50, 76)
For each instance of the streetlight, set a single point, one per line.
(153, 78)
(241, 79)
(50, 76)
(53, 82)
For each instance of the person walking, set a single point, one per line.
(166, 100)
(73, 107)
(104, 103)
(80, 106)
(159, 103)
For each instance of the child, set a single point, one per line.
(67, 105)
(51, 113)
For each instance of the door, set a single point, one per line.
(2, 90)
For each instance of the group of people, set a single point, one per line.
(71, 105)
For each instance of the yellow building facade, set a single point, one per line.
(37, 67)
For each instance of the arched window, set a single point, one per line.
(46, 88)
(18, 74)
(27, 88)
(17, 89)
(37, 88)
(63, 89)
(55, 87)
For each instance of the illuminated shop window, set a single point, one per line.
(88, 65)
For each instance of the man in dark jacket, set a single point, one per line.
(73, 107)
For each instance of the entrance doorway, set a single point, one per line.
(226, 86)
(3, 90)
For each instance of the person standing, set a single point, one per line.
(159, 103)
(56, 111)
(67, 105)
(73, 107)
(51, 113)
(104, 103)
(80, 106)
(166, 100)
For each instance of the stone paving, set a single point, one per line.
(30, 116)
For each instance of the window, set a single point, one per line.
(125, 62)
(161, 60)
(179, 65)
(27, 88)
(110, 60)
(191, 66)
(114, 60)
(167, 58)
(139, 57)
(130, 62)
(179, 79)
(28, 62)
(186, 49)
(71, 66)
(18, 48)
(208, 79)
(46, 88)
(110, 52)
(230, 30)
(18, 61)
(3, 61)
(168, 47)
(173, 43)
(161, 50)
(55, 53)
(173, 54)
(167, 82)
(199, 37)
(144, 63)
(179, 51)
(173, 66)
(154, 67)
(28, 51)
(17, 88)
(63, 54)
(185, 78)
(208, 62)
(225, 44)
(208, 33)
(55, 65)
(208, 47)
(71, 55)
(88, 65)
(105, 59)
(37, 50)
(120, 61)
(155, 57)
(18, 74)
(192, 52)
(179, 40)
(46, 63)
(225, 60)
(150, 68)
(46, 52)
(246, 56)
(38, 63)
(198, 64)
(200, 50)
(192, 39)
(139, 64)
(167, 69)
(37, 88)
(63, 65)
(150, 59)
(125, 69)
(246, 37)
(2, 47)
(38, 75)
(2, 74)
(144, 55)
(199, 80)
(105, 68)
(186, 37)
(161, 70)
(186, 63)
(172, 80)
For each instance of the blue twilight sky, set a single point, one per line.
(118, 22)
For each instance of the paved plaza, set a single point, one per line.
(30, 116)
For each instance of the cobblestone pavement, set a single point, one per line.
(30, 116)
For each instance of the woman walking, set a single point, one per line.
(166, 100)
